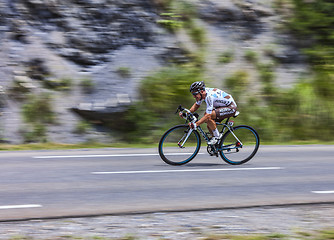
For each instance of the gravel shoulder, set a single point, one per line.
(179, 225)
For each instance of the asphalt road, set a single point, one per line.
(43, 184)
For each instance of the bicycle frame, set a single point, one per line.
(205, 136)
(226, 127)
(228, 147)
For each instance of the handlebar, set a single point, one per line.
(186, 114)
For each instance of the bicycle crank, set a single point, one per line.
(212, 150)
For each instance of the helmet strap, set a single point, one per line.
(201, 94)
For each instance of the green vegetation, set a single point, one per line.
(196, 33)
(313, 22)
(82, 127)
(136, 125)
(305, 111)
(226, 57)
(237, 83)
(251, 56)
(35, 133)
(183, 14)
(163, 91)
(38, 109)
(63, 84)
(60, 146)
(267, 77)
(170, 21)
(37, 113)
(120, 144)
(302, 113)
(87, 85)
(124, 72)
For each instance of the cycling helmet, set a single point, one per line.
(197, 86)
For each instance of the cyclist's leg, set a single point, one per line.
(211, 123)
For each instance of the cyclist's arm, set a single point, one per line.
(208, 111)
(194, 107)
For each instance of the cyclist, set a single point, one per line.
(219, 105)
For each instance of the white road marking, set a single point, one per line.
(324, 192)
(111, 155)
(20, 206)
(191, 170)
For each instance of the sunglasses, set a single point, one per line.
(195, 93)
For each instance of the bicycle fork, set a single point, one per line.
(184, 138)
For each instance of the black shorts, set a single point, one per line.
(225, 112)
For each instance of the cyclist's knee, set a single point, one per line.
(209, 119)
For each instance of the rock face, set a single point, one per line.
(78, 50)
(82, 31)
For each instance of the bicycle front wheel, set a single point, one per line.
(179, 145)
(239, 145)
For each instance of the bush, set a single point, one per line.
(37, 112)
(136, 124)
(292, 115)
(170, 21)
(163, 91)
(185, 9)
(63, 84)
(197, 33)
(226, 57)
(36, 134)
(313, 20)
(82, 127)
(237, 83)
(266, 71)
(38, 109)
(313, 23)
(251, 56)
(124, 72)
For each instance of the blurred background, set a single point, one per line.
(76, 71)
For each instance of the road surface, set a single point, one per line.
(67, 183)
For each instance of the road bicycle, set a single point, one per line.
(180, 144)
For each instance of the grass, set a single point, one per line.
(298, 142)
(64, 146)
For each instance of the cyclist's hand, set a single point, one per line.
(192, 125)
(182, 115)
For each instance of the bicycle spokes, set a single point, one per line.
(239, 145)
(179, 145)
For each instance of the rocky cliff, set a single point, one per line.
(93, 54)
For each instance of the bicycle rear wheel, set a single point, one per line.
(175, 148)
(240, 145)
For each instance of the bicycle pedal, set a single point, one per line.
(214, 154)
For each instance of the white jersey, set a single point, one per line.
(216, 98)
